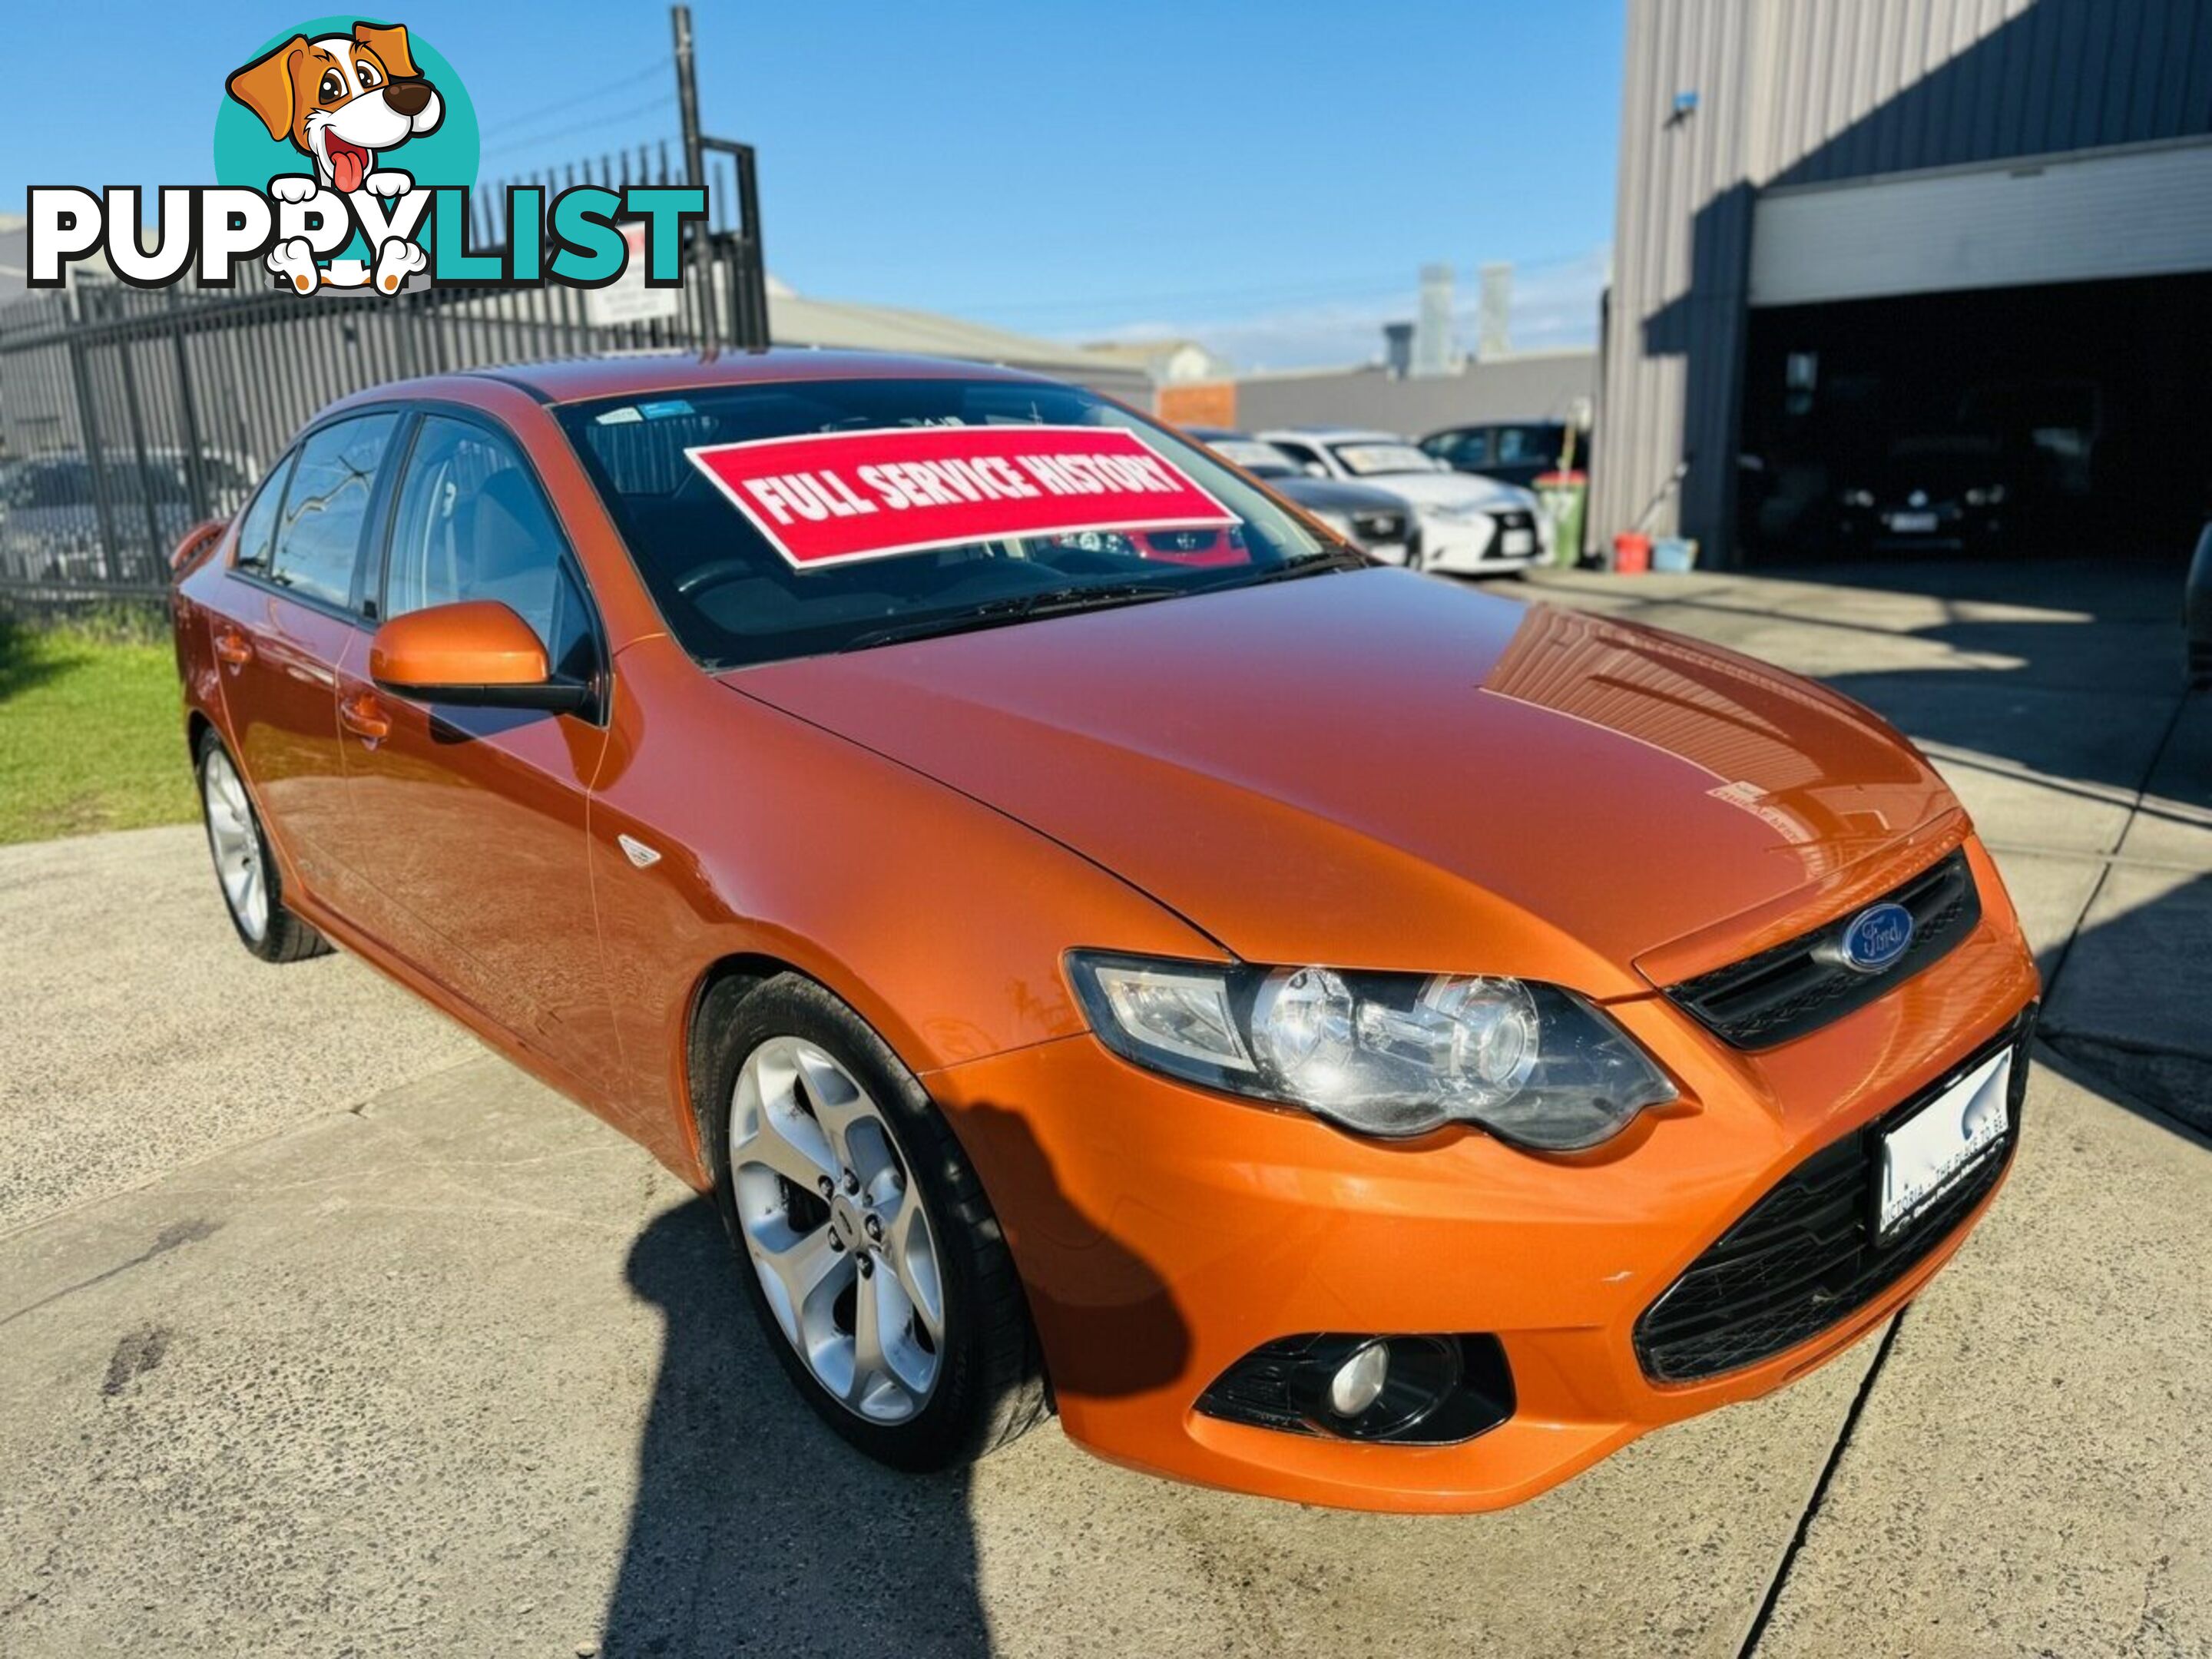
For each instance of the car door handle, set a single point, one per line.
(233, 648)
(363, 716)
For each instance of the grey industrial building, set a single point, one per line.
(1843, 223)
(1527, 386)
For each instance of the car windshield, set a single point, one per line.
(1372, 459)
(797, 518)
(1262, 460)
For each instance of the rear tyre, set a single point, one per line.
(244, 867)
(865, 1241)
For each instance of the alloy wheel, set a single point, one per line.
(236, 843)
(836, 1230)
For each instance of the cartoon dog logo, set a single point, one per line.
(340, 99)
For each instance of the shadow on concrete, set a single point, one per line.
(756, 1526)
(2171, 1090)
(2127, 1004)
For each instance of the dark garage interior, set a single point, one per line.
(2065, 420)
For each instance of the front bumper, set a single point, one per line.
(1164, 1231)
(1948, 527)
(1482, 540)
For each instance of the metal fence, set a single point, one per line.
(127, 415)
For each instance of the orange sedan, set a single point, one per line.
(1323, 1031)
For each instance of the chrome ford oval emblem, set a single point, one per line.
(1875, 938)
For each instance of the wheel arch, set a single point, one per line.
(723, 984)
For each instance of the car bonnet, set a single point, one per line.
(1379, 769)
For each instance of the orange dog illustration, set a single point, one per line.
(340, 99)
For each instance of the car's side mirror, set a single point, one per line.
(476, 654)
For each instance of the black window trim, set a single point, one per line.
(599, 710)
(351, 612)
(277, 477)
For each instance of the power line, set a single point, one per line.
(631, 113)
(565, 106)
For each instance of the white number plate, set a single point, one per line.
(1913, 524)
(1924, 1156)
(1519, 541)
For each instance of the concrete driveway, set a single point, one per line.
(322, 1331)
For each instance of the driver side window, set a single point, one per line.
(1298, 452)
(471, 523)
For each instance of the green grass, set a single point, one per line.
(91, 733)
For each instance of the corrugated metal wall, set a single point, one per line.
(1796, 92)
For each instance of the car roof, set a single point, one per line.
(1362, 434)
(577, 379)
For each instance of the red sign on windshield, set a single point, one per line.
(828, 497)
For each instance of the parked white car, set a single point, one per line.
(1469, 524)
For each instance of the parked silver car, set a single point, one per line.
(1381, 524)
(1470, 525)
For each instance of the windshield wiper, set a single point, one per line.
(1309, 564)
(1019, 607)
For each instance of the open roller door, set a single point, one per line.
(2005, 361)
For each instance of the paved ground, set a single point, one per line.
(322, 1331)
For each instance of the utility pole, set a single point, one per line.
(695, 172)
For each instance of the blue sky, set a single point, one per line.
(1268, 179)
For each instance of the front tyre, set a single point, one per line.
(244, 867)
(871, 1254)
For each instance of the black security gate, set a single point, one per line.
(127, 415)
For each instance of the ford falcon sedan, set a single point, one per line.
(1316, 1030)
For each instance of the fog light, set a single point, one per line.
(1359, 1382)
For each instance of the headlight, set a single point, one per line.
(1993, 496)
(1382, 1053)
(1858, 498)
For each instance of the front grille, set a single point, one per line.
(1801, 986)
(1501, 523)
(1804, 1257)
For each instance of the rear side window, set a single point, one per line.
(258, 532)
(318, 534)
(1525, 444)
